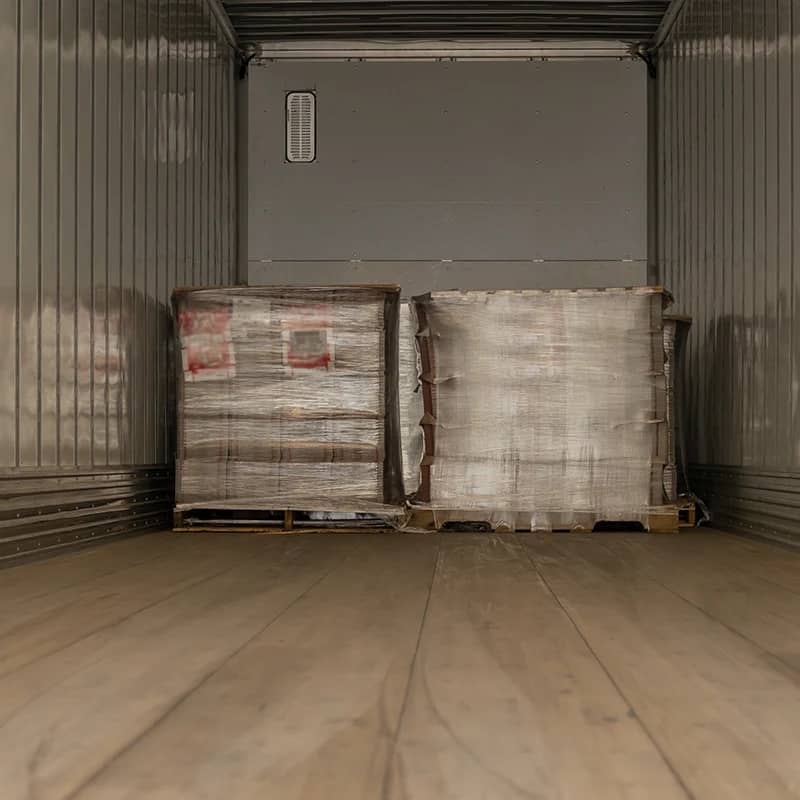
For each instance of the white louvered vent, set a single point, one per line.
(301, 127)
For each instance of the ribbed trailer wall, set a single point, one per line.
(729, 240)
(116, 184)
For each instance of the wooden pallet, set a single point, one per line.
(663, 519)
(268, 521)
(687, 514)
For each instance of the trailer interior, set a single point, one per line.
(471, 144)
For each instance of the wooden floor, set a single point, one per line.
(464, 666)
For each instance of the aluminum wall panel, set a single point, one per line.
(117, 183)
(729, 178)
(458, 165)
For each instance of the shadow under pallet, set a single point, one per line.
(664, 519)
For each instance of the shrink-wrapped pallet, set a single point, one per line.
(287, 399)
(543, 409)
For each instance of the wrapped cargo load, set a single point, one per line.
(287, 399)
(544, 409)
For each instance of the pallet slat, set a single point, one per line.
(269, 521)
(687, 515)
(664, 519)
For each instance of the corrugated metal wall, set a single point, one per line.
(117, 183)
(729, 239)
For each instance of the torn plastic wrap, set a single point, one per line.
(670, 468)
(675, 331)
(411, 410)
(676, 473)
(287, 399)
(543, 409)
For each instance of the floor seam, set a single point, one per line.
(149, 607)
(742, 572)
(608, 674)
(47, 613)
(120, 621)
(88, 580)
(777, 585)
(196, 686)
(71, 549)
(387, 774)
(650, 576)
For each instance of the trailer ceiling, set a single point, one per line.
(404, 20)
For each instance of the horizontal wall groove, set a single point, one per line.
(35, 507)
(81, 532)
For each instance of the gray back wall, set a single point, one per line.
(452, 174)
(729, 106)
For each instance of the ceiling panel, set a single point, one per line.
(398, 20)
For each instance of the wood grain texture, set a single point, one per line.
(507, 701)
(738, 589)
(19, 583)
(68, 714)
(56, 619)
(402, 666)
(310, 707)
(723, 710)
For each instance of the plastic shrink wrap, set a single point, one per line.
(676, 329)
(411, 410)
(676, 473)
(287, 398)
(543, 409)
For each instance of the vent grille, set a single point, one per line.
(301, 127)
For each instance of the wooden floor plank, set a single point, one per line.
(55, 620)
(506, 699)
(65, 716)
(724, 712)
(728, 552)
(236, 666)
(736, 591)
(20, 583)
(775, 563)
(306, 710)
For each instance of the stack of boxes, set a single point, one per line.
(525, 409)
(543, 409)
(288, 398)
